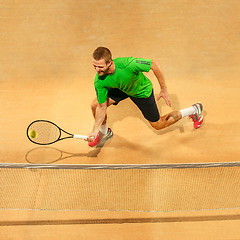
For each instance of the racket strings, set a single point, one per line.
(46, 132)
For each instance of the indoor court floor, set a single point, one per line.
(46, 72)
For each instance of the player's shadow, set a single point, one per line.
(127, 108)
(48, 155)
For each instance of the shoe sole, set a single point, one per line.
(200, 108)
(105, 139)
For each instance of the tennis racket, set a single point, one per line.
(45, 132)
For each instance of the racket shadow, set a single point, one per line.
(48, 155)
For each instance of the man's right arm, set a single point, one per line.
(99, 118)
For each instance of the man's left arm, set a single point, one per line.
(164, 93)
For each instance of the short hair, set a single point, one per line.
(102, 53)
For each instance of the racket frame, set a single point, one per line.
(60, 133)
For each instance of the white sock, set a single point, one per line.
(104, 129)
(188, 111)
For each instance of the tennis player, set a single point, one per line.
(123, 78)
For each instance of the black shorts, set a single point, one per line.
(147, 106)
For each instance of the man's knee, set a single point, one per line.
(157, 125)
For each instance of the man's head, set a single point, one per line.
(102, 60)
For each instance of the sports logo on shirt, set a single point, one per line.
(143, 62)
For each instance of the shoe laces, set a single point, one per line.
(100, 134)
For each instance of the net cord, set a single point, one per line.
(119, 166)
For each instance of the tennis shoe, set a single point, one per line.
(197, 117)
(100, 139)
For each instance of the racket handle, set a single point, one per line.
(80, 136)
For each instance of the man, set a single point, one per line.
(121, 78)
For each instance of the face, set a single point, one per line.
(101, 66)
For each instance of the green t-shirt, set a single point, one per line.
(128, 77)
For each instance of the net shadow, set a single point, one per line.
(122, 221)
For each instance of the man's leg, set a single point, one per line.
(150, 111)
(194, 112)
(167, 120)
(114, 97)
(94, 105)
(104, 132)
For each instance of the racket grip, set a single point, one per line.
(80, 136)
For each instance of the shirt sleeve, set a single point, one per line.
(141, 64)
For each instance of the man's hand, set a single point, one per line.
(92, 136)
(164, 94)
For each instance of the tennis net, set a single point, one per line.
(140, 188)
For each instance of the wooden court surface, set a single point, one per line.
(46, 73)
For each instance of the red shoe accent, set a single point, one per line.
(198, 123)
(97, 140)
(197, 117)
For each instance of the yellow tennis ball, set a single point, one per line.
(33, 134)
